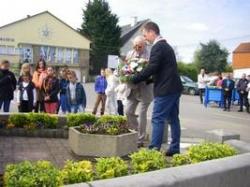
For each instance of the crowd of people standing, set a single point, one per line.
(41, 91)
(227, 84)
(44, 92)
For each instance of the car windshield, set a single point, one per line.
(187, 79)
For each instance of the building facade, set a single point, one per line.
(241, 60)
(45, 36)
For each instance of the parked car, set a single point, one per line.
(189, 86)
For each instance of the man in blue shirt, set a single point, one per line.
(100, 87)
(227, 87)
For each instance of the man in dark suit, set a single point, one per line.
(227, 87)
(167, 88)
(241, 88)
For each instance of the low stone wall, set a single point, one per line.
(227, 172)
(59, 132)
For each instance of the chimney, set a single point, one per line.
(134, 21)
(28, 16)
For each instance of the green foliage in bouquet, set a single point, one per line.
(26, 174)
(111, 167)
(19, 120)
(147, 160)
(79, 119)
(43, 120)
(77, 172)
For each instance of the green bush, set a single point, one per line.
(43, 120)
(77, 172)
(26, 174)
(110, 167)
(79, 119)
(210, 151)
(147, 160)
(180, 159)
(203, 152)
(189, 70)
(19, 120)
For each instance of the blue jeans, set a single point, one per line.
(63, 103)
(166, 108)
(6, 105)
(75, 108)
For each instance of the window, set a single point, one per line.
(59, 55)
(27, 53)
(48, 53)
(10, 50)
(75, 56)
(2, 50)
(68, 56)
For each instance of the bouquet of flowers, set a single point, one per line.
(131, 67)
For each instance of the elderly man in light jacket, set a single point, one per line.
(138, 94)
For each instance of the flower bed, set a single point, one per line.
(39, 173)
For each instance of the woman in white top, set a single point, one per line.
(202, 83)
(112, 83)
(248, 88)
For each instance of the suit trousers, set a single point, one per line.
(137, 124)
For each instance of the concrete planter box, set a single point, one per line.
(102, 145)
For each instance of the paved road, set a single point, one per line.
(195, 118)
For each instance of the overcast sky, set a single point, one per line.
(184, 23)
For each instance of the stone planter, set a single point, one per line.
(102, 145)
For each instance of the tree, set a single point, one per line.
(211, 56)
(101, 26)
(189, 70)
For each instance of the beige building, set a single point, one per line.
(45, 36)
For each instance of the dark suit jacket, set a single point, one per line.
(162, 65)
(224, 85)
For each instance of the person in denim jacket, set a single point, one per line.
(75, 94)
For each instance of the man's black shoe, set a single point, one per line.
(140, 145)
(170, 154)
(240, 110)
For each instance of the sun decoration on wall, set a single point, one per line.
(45, 32)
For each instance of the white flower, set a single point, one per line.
(139, 69)
(133, 65)
(142, 60)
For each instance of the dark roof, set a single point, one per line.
(45, 12)
(128, 31)
(243, 48)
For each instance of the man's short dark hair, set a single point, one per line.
(5, 62)
(152, 26)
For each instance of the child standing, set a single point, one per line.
(26, 94)
(63, 88)
(75, 94)
(51, 89)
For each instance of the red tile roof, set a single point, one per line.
(243, 48)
